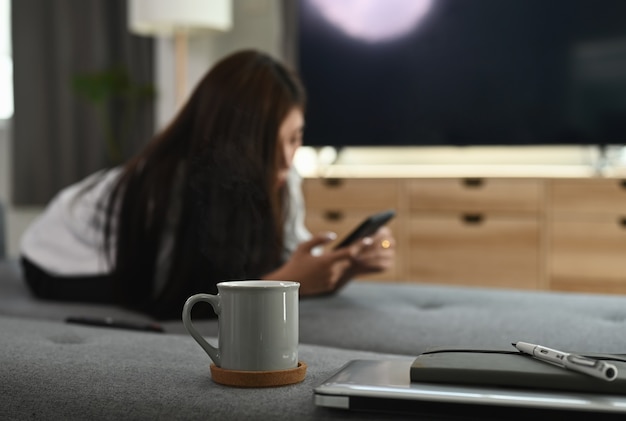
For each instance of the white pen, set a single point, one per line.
(596, 368)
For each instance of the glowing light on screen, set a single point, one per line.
(374, 20)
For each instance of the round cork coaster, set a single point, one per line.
(258, 378)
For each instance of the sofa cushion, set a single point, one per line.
(402, 318)
(51, 370)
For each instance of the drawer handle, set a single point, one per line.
(333, 215)
(622, 221)
(472, 218)
(333, 182)
(622, 183)
(473, 182)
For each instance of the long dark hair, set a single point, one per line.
(211, 176)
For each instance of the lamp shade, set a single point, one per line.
(166, 17)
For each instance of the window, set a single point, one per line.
(6, 61)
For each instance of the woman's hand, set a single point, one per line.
(317, 273)
(378, 256)
(327, 272)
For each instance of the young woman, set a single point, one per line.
(213, 197)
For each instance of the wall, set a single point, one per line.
(257, 24)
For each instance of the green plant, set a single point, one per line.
(113, 90)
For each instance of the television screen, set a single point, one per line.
(463, 72)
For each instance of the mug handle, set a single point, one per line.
(214, 300)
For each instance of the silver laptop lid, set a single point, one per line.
(373, 385)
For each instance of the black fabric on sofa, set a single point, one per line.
(49, 369)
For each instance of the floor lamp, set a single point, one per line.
(179, 19)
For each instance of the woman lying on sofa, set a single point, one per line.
(212, 197)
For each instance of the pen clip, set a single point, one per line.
(582, 361)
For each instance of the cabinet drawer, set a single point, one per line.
(606, 196)
(588, 255)
(342, 223)
(338, 194)
(497, 251)
(481, 194)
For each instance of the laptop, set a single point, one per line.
(385, 386)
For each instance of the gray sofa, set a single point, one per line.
(53, 370)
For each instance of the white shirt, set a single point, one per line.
(66, 239)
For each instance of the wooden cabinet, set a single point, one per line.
(475, 195)
(495, 250)
(475, 231)
(531, 233)
(587, 223)
(351, 193)
(588, 196)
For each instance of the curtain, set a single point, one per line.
(2, 234)
(59, 135)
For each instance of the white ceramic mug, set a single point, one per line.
(258, 325)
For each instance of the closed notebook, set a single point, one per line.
(506, 368)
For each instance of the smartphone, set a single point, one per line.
(367, 227)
